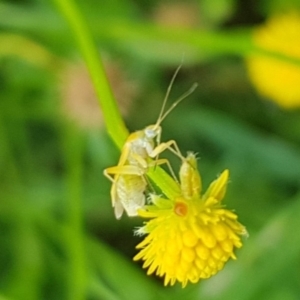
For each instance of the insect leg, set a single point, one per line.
(171, 145)
(162, 161)
(123, 170)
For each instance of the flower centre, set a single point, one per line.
(181, 209)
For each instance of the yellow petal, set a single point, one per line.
(217, 189)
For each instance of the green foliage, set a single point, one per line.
(58, 235)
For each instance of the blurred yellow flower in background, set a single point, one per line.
(190, 237)
(276, 79)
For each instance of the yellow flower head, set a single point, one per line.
(274, 78)
(190, 237)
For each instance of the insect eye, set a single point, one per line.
(150, 133)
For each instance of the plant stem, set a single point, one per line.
(74, 236)
(113, 120)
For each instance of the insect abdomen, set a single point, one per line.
(130, 192)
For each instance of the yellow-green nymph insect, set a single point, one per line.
(140, 151)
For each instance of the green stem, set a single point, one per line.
(113, 120)
(74, 236)
(237, 42)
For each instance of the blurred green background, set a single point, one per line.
(58, 235)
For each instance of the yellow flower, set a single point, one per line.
(273, 78)
(190, 237)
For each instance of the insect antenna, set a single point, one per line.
(161, 113)
(182, 97)
(186, 94)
